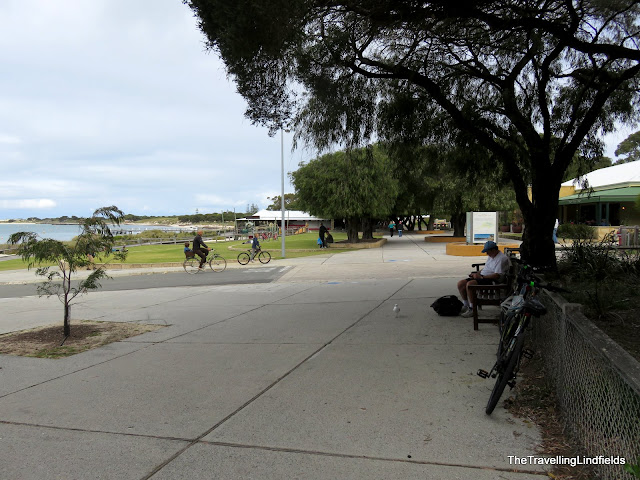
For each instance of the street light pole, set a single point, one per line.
(282, 189)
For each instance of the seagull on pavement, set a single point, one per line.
(396, 309)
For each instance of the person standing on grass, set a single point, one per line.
(200, 248)
(322, 232)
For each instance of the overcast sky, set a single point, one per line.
(116, 102)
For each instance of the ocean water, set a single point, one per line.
(66, 232)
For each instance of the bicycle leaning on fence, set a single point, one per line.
(245, 257)
(191, 264)
(515, 318)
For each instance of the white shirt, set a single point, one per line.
(498, 264)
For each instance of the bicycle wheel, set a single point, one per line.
(510, 361)
(264, 257)
(191, 265)
(243, 258)
(217, 263)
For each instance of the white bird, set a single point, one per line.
(396, 309)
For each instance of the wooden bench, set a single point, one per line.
(491, 294)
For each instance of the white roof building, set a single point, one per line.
(276, 216)
(615, 176)
(603, 197)
(293, 219)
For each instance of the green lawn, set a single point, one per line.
(174, 253)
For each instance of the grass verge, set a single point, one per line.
(296, 246)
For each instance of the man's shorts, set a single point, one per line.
(484, 281)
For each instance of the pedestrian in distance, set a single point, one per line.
(392, 225)
(322, 231)
(399, 228)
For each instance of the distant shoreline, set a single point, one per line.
(5, 222)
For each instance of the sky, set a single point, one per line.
(118, 102)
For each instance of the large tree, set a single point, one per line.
(356, 185)
(533, 81)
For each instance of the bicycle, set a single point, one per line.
(191, 264)
(515, 318)
(245, 257)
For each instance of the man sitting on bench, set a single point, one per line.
(496, 265)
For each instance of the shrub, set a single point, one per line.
(608, 275)
(576, 231)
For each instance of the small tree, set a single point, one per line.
(95, 238)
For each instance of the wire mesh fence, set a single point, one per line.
(597, 385)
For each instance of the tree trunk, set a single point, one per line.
(537, 247)
(352, 229)
(67, 320)
(410, 224)
(430, 222)
(458, 221)
(367, 229)
(66, 285)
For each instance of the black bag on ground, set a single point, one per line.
(329, 238)
(447, 306)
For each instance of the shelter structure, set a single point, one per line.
(602, 198)
(270, 220)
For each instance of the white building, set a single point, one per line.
(294, 220)
(603, 197)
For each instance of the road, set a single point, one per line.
(171, 279)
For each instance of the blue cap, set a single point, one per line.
(488, 246)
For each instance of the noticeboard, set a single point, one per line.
(482, 227)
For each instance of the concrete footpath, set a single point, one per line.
(309, 377)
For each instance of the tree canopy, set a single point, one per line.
(629, 149)
(533, 82)
(290, 202)
(355, 185)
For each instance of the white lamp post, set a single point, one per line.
(282, 189)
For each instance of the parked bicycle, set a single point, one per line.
(245, 257)
(191, 264)
(515, 318)
(268, 236)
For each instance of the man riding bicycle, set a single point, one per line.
(255, 247)
(200, 248)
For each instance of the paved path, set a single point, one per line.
(309, 377)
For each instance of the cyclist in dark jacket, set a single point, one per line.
(200, 248)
